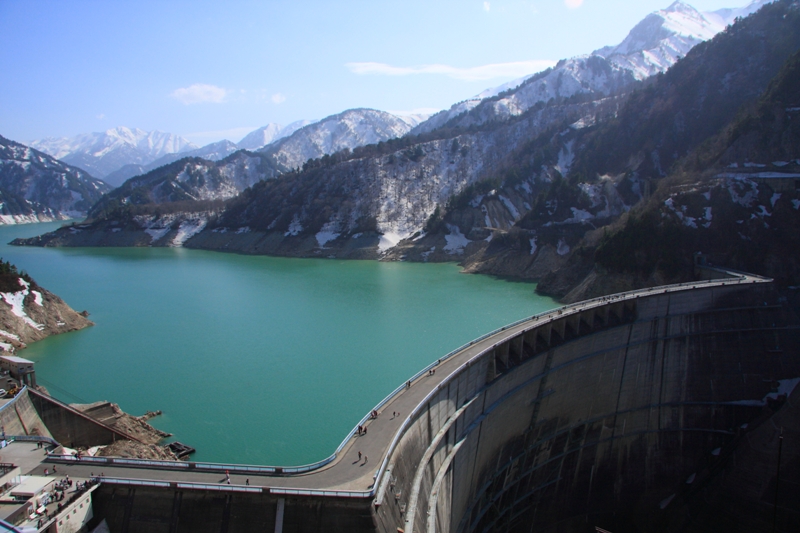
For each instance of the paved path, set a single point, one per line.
(346, 472)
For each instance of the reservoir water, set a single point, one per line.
(256, 360)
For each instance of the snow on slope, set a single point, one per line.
(101, 153)
(269, 134)
(652, 46)
(350, 129)
(36, 187)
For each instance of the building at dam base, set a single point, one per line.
(656, 410)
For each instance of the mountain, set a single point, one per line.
(102, 153)
(347, 130)
(211, 152)
(589, 194)
(651, 47)
(269, 134)
(35, 187)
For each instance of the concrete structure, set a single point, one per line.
(19, 368)
(622, 412)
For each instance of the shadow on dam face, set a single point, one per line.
(656, 411)
(638, 416)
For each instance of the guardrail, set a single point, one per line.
(13, 400)
(534, 321)
(738, 278)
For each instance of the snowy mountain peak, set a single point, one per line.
(260, 137)
(349, 129)
(101, 153)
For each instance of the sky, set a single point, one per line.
(209, 70)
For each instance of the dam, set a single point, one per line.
(655, 410)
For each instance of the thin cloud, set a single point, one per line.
(487, 6)
(200, 93)
(573, 4)
(278, 98)
(484, 72)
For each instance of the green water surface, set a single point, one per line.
(257, 360)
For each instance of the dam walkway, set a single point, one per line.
(356, 468)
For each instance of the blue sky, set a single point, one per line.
(211, 70)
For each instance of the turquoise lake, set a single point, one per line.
(256, 360)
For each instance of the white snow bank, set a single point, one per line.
(294, 228)
(187, 230)
(563, 247)
(324, 237)
(456, 241)
(17, 302)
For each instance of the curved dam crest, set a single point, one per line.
(254, 359)
(627, 412)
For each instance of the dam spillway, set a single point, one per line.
(595, 414)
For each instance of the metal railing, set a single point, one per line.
(533, 321)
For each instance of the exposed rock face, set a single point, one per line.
(30, 313)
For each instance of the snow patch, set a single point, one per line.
(9, 335)
(37, 297)
(534, 247)
(389, 241)
(243, 230)
(510, 206)
(456, 241)
(565, 158)
(324, 237)
(294, 228)
(563, 247)
(187, 230)
(743, 191)
(796, 204)
(774, 199)
(17, 302)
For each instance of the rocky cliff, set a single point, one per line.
(30, 313)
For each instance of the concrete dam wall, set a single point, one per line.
(594, 419)
(621, 413)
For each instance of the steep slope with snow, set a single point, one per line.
(269, 134)
(652, 46)
(101, 153)
(35, 187)
(29, 312)
(347, 130)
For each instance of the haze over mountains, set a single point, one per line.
(651, 47)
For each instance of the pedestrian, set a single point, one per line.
(247, 481)
(365, 459)
(228, 477)
(365, 430)
(359, 456)
(46, 471)
(54, 469)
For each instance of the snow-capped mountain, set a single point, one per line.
(269, 134)
(212, 152)
(652, 46)
(102, 153)
(350, 129)
(260, 137)
(35, 187)
(727, 16)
